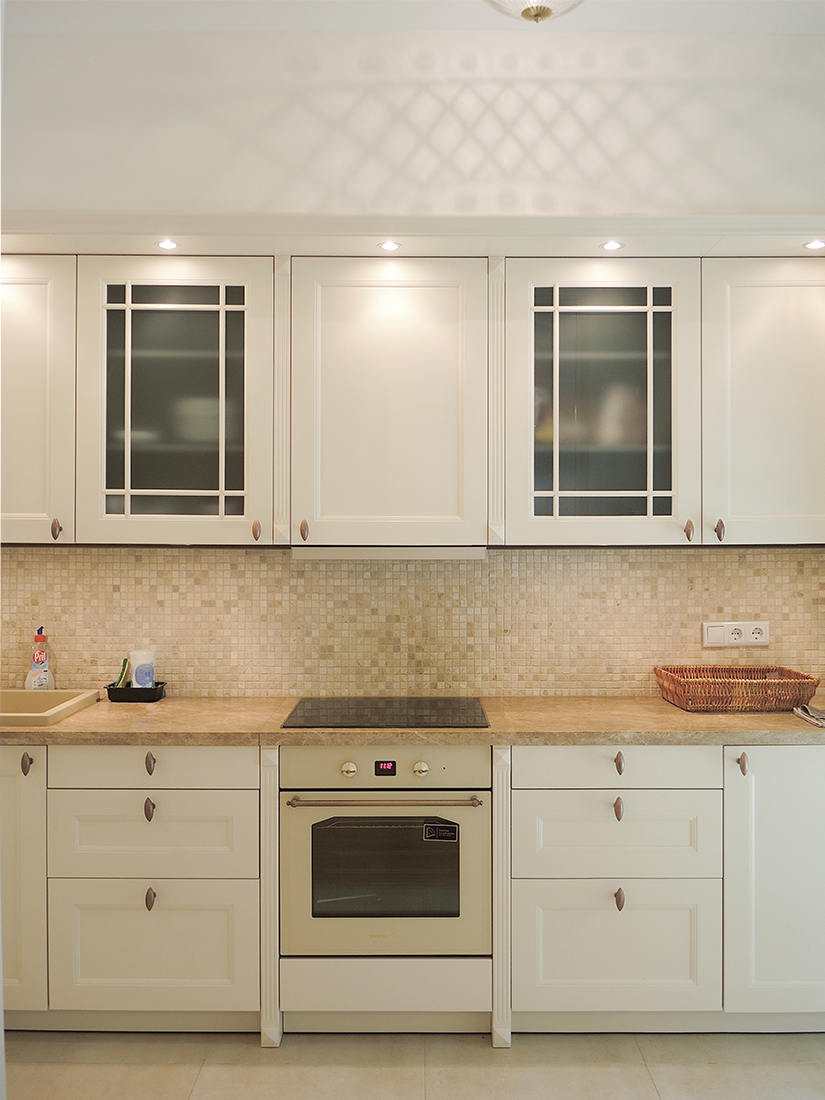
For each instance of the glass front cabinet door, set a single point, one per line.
(175, 400)
(603, 402)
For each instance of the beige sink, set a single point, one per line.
(19, 707)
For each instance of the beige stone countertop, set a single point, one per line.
(516, 720)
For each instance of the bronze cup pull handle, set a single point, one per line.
(619, 762)
(150, 763)
(25, 763)
(618, 808)
(149, 900)
(742, 761)
(619, 898)
(149, 809)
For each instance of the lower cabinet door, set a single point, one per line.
(23, 863)
(645, 945)
(141, 945)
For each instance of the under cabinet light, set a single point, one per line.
(389, 246)
(815, 244)
(167, 244)
(611, 246)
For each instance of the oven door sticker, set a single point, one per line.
(441, 831)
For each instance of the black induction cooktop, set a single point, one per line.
(387, 712)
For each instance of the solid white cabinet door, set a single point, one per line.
(603, 401)
(23, 866)
(389, 401)
(134, 833)
(175, 400)
(575, 951)
(195, 949)
(637, 833)
(37, 402)
(774, 883)
(763, 396)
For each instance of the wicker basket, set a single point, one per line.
(715, 687)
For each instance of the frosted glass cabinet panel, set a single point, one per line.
(764, 396)
(389, 401)
(603, 392)
(175, 396)
(37, 402)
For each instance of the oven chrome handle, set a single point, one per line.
(474, 801)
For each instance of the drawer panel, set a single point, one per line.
(191, 834)
(661, 834)
(197, 949)
(570, 766)
(192, 767)
(574, 951)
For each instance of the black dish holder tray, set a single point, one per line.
(136, 695)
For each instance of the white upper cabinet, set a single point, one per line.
(38, 348)
(764, 396)
(389, 402)
(175, 400)
(603, 401)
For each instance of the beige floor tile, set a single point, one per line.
(73, 1082)
(313, 1082)
(791, 1081)
(106, 1048)
(550, 1082)
(741, 1049)
(531, 1050)
(318, 1050)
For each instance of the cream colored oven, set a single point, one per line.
(385, 850)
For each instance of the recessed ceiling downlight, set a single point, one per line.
(815, 244)
(389, 246)
(611, 246)
(167, 244)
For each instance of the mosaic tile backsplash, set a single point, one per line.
(525, 622)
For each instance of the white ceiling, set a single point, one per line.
(287, 126)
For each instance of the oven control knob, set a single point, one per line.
(349, 769)
(421, 768)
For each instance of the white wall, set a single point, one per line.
(445, 123)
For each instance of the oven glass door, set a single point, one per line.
(386, 879)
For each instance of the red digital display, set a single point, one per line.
(385, 767)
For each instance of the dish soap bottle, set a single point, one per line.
(39, 677)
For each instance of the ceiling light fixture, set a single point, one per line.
(390, 246)
(815, 244)
(535, 13)
(611, 246)
(167, 244)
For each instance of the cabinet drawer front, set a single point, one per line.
(197, 949)
(171, 766)
(665, 766)
(191, 834)
(643, 833)
(573, 950)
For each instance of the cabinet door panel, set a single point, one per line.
(37, 403)
(175, 400)
(638, 833)
(389, 400)
(603, 391)
(763, 394)
(663, 766)
(172, 766)
(774, 886)
(573, 950)
(23, 860)
(171, 834)
(196, 949)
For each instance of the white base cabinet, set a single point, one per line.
(774, 884)
(617, 879)
(23, 863)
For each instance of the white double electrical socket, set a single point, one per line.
(730, 634)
